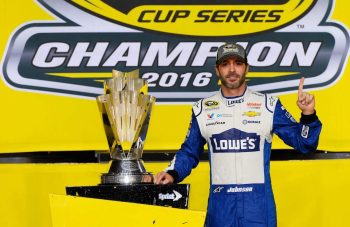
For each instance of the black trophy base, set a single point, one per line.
(174, 195)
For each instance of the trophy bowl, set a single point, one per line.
(126, 110)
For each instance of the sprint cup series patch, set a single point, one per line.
(174, 44)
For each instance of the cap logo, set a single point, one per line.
(231, 48)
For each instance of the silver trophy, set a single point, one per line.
(126, 110)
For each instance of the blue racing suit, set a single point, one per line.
(238, 131)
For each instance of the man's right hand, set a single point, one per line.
(163, 178)
(306, 101)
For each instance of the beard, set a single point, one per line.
(226, 80)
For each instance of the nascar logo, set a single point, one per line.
(293, 40)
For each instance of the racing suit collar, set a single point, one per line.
(233, 100)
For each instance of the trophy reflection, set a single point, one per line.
(126, 110)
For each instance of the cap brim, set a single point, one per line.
(218, 62)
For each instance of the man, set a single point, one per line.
(238, 125)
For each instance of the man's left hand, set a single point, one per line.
(306, 101)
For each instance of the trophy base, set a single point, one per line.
(173, 195)
(125, 178)
(126, 172)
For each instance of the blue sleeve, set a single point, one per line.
(301, 136)
(187, 157)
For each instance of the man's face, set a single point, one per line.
(232, 72)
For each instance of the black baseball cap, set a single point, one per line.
(231, 50)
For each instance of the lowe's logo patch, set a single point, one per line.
(235, 140)
(231, 102)
(174, 44)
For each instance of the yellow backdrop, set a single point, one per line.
(307, 193)
(39, 121)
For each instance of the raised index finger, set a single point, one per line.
(301, 85)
